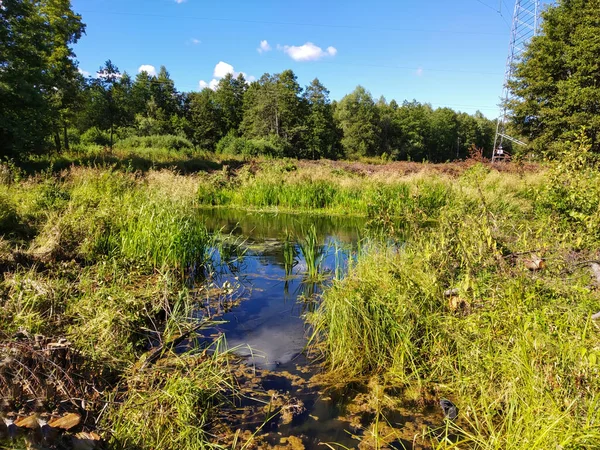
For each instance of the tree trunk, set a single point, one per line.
(65, 136)
(57, 141)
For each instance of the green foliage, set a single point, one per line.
(509, 346)
(95, 136)
(359, 119)
(39, 79)
(9, 218)
(275, 111)
(168, 142)
(573, 189)
(170, 406)
(233, 145)
(312, 251)
(557, 82)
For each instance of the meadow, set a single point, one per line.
(485, 297)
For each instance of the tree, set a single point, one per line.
(390, 137)
(557, 82)
(38, 74)
(141, 94)
(414, 121)
(359, 120)
(64, 96)
(443, 140)
(321, 136)
(204, 119)
(275, 110)
(229, 97)
(166, 97)
(109, 98)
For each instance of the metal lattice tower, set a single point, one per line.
(525, 25)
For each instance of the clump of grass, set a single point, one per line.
(312, 252)
(171, 405)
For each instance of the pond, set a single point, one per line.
(275, 289)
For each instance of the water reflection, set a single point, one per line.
(282, 263)
(285, 264)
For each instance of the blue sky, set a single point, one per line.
(444, 52)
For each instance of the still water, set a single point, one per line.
(267, 325)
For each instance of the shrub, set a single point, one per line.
(95, 136)
(573, 188)
(233, 145)
(166, 141)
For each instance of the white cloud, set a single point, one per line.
(419, 72)
(85, 73)
(179, 1)
(222, 69)
(212, 84)
(264, 47)
(150, 70)
(307, 52)
(103, 74)
(196, 41)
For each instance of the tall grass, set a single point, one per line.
(515, 349)
(101, 264)
(171, 406)
(312, 251)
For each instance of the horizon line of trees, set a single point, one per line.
(273, 115)
(47, 105)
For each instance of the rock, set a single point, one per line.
(449, 408)
(534, 263)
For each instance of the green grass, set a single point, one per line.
(170, 406)
(516, 350)
(313, 253)
(277, 186)
(98, 256)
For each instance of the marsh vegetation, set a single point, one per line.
(477, 285)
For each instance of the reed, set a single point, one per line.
(312, 252)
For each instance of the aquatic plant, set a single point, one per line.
(312, 252)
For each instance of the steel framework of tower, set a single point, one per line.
(525, 25)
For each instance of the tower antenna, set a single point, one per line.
(525, 25)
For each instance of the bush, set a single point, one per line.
(166, 141)
(233, 145)
(95, 136)
(573, 190)
(74, 136)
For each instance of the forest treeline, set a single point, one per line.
(273, 115)
(47, 104)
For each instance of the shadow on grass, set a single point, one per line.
(182, 163)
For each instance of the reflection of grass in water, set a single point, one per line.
(290, 254)
(312, 252)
